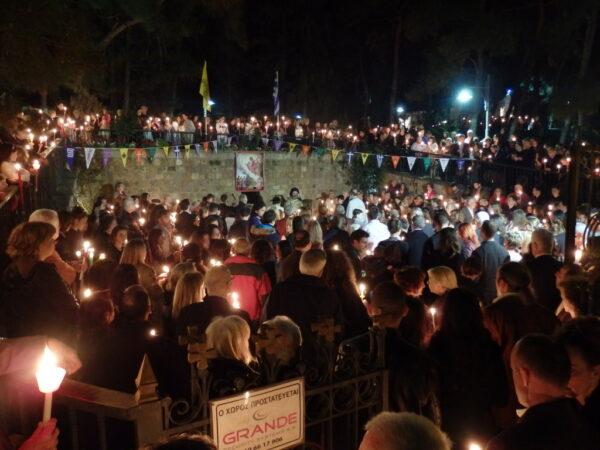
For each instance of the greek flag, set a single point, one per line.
(276, 95)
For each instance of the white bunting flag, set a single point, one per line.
(89, 155)
(444, 163)
(411, 161)
(379, 160)
(214, 144)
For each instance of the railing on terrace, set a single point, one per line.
(342, 392)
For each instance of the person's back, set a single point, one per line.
(491, 255)
(290, 265)
(305, 298)
(416, 242)
(543, 269)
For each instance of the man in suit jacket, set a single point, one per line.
(541, 370)
(543, 269)
(290, 265)
(468, 211)
(431, 249)
(416, 239)
(491, 255)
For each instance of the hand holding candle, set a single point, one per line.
(49, 377)
(235, 300)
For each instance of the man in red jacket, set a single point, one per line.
(250, 281)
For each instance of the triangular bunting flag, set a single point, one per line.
(364, 157)
(411, 161)
(89, 155)
(319, 151)
(186, 152)
(395, 160)
(379, 160)
(229, 140)
(461, 164)
(214, 144)
(443, 163)
(277, 143)
(197, 149)
(349, 156)
(177, 151)
(139, 154)
(426, 163)
(292, 146)
(70, 157)
(334, 154)
(305, 149)
(106, 156)
(205, 146)
(166, 151)
(150, 153)
(265, 141)
(124, 153)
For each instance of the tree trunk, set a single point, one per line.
(127, 83)
(395, 69)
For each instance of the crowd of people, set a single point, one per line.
(482, 317)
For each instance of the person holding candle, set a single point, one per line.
(67, 271)
(34, 297)
(189, 290)
(416, 327)
(9, 166)
(471, 371)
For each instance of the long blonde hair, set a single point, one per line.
(229, 337)
(316, 232)
(177, 272)
(134, 252)
(189, 290)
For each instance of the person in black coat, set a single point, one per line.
(416, 239)
(541, 371)
(581, 338)
(543, 269)
(184, 225)
(305, 298)
(431, 249)
(232, 367)
(34, 299)
(217, 282)
(491, 255)
(471, 370)
(239, 228)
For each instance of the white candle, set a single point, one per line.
(49, 377)
(433, 312)
(235, 302)
(362, 289)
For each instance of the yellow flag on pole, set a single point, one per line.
(204, 91)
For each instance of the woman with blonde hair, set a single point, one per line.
(35, 299)
(135, 253)
(231, 369)
(189, 289)
(441, 280)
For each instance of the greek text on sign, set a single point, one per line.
(266, 418)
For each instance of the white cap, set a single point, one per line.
(482, 216)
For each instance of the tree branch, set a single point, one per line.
(116, 31)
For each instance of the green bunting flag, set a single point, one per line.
(426, 163)
(150, 153)
(124, 153)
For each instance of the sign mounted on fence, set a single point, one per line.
(270, 417)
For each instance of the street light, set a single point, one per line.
(400, 109)
(211, 103)
(465, 95)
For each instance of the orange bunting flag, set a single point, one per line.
(395, 160)
(206, 146)
(305, 149)
(139, 154)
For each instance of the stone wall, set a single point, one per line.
(199, 175)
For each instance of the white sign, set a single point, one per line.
(266, 418)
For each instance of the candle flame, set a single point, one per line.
(235, 302)
(48, 374)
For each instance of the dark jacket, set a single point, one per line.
(416, 242)
(38, 304)
(543, 279)
(238, 230)
(230, 376)
(472, 382)
(591, 409)
(306, 300)
(185, 224)
(492, 255)
(356, 318)
(555, 425)
(201, 314)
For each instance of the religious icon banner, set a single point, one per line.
(249, 171)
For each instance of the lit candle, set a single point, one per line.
(165, 269)
(152, 332)
(433, 312)
(91, 255)
(87, 293)
(179, 241)
(335, 247)
(235, 302)
(78, 254)
(49, 377)
(475, 446)
(578, 255)
(232, 241)
(362, 289)
(141, 221)
(86, 245)
(102, 256)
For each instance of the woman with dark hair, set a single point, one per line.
(339, 276)
(472, 376)
(99, 276)
(450, 250)
(262, 251)
(118, 238)
(158, 244)
(415, 325)
(101, 236)
(575, 297)
(34, 298)
(125, 275)
(220, 249)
